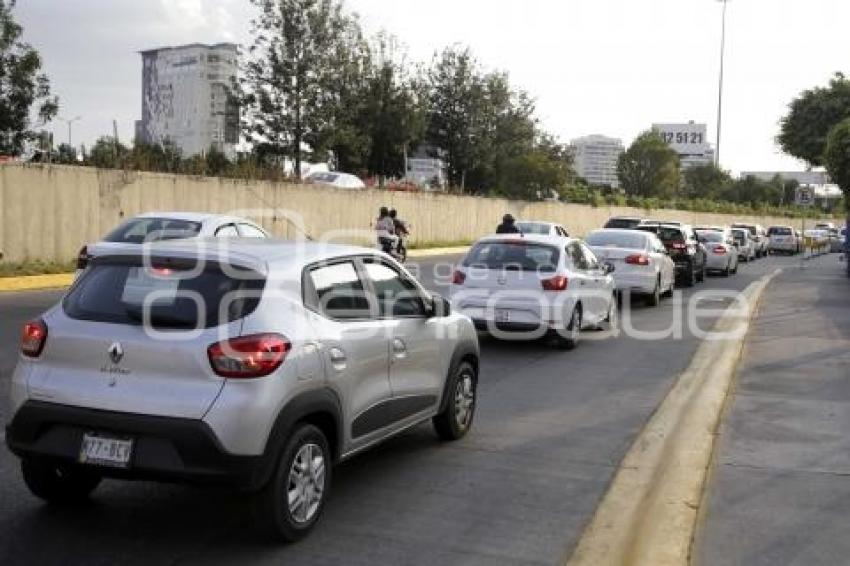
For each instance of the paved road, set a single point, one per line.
(551, 428)
(781, 491)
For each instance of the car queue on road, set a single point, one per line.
(320, 352)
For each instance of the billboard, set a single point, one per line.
(684, 139)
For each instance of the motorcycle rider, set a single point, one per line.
(400, 230)
(385, 230)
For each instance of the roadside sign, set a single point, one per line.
(805, 196)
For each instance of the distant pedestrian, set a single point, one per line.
(508, 225)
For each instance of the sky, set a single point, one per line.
(611, 67)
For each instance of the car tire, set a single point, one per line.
(690, 277)
(701, 274)
(573, 331)
(58, 484)
(456, 419)
(654, 299)
(728, 270)
(304, 468)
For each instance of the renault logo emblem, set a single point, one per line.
(116, 352)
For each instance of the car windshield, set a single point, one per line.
(165, 297)
(779, 231)
(751, 229)
(739, 235)
(141, 230)
(513, 256)
(665, 233)
(533, 228)
(710, 235)
(627, 240)
(626, 223)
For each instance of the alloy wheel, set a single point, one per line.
(306, 483)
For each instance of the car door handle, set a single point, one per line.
(399, 348)
(338, 359)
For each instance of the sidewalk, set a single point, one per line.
(780, 490)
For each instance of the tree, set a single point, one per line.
(21, 85)
(837, 157)
(811, 116)
(293, 59)
(535, 175)
(107, 153)
(705, 181)
(66, 154)
(649, 168)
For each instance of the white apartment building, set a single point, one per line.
(595, 159)
(186, 97)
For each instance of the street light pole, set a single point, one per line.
(720, 86)
(70, 123)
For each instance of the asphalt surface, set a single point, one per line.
(780, 493)
(550, 430)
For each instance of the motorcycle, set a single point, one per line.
(391, 245)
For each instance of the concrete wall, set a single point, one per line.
(49, 212)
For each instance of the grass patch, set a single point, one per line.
(440, 244)
(37, 267)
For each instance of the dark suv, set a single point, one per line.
(684, 248)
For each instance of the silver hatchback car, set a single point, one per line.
(255, 364)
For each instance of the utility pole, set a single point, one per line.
(70, 123)
(720, 86)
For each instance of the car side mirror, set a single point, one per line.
(438, 306)
(608, 267)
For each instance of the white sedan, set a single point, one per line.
(542, 228)
(641, 262)
(337, 180)
(154, 226)
(721, 253)
(532, 286)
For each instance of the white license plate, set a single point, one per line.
(101, 450)
(503, 315)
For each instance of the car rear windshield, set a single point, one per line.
(513, 256)
(626, 240)
(665, 233)
(124, 292)
(751, 229)
(710, 236)
(141, 230)
(779, 231)
(533, 228)
(626, 223)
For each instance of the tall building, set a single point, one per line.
(595, 159)
(187, 97)
(690, 141)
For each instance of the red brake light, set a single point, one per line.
(637, 259)
(33, 338)
(83, 258)
(245, 357)
(719, 250)
(557, 283)
(458, 277)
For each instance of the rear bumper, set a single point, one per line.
(718, 262)
(165, 449)
(636, 282)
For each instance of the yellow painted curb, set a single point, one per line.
(35, 282)
(649, 513)
(437, 251)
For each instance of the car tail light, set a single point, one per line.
(245, 357)
(458, 277)
(83, 258)
(33, 338)
(637, 259)
(557, 283)
(719, 250)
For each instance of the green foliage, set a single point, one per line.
(649, 167)
(66, 154)
(22, 85)
(705, 181)
(837, 157)
(810, 118)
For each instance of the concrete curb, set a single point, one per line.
(36, 282)
(649, 513)
(60, 280)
